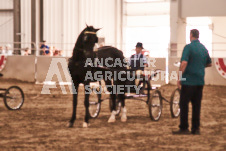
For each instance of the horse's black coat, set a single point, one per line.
(83, 49)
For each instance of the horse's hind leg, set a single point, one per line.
(113, 101)
(121, 98)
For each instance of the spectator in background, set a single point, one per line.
(27, 52)
(44, 48)
(60, 53)
(54, 50)
(56, 53)
(1, 50)
(48, 51)
(7, 50)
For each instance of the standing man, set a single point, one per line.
(195, 58)
(138, 61)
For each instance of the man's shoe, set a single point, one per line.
(195, 132)
(181, 132)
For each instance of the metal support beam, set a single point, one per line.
(41, 20)
(33, 25)
(6, 10)
(17, 26)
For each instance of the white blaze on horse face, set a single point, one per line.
(54, 70)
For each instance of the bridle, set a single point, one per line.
(90, 32)
(84, 51)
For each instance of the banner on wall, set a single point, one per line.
(2, 62)
(220, 64)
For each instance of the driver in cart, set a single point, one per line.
(138, 61)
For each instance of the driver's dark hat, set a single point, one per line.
(139, 44)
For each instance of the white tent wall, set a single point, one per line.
(219, 36)
(25, 23)
(64, 20)
(147, 22)
(202, 8)
(6, 22)
(181, 9)
(6, 4)
(53, 11)
(147, 8)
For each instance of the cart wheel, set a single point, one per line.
(145, 90)
(174, 103)
(118, 106)
(94, 103)
(155, 105)
(14, 98)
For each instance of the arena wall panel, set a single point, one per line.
(43, 67)
(212, 76)
(20, 68)
(159, 63)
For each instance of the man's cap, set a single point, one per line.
(139, 44)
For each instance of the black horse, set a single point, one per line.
(83, 50)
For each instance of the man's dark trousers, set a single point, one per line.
(193, 94)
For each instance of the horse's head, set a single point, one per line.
(86, 41)
(88, 37)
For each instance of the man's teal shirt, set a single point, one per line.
(197, 57)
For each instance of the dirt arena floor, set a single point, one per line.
(41, 124)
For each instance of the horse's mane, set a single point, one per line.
(78, 43)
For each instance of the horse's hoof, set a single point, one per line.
(85, 125)
(70, 125)
(111, 120)
(112, 117)
(123, 118)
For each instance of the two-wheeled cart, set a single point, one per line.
(152, 97)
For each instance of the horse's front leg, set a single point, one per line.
(73, 117)
(86, 103)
